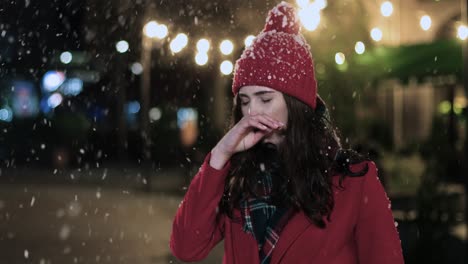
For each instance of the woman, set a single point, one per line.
(278, 187)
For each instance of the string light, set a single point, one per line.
(386, 8)
(249, 40)
(201, 58)
(122, 46)
(203, 45)
(226, 67)
(462, 32)
(66, 57)
(150, 29)
(226, 47)
(340, 58)
(376, 34)
(360, 47)
(154, 30)
(310, 17)
(425, 22)
(178, 43)
(302, 3)
(321, 4)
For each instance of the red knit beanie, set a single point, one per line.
(279, 58)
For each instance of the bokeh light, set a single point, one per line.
(178, 43)
(310, 17)
(54, 100)
(66, 57)
(226, 67)
(226, 47)
(425, 22)
(360, 47)
(52, 80)
(376, 34)
(339, 58)
(136, 68)
(203, 45)
(249, 40)
(201, 58)
(122, 46)
(386, 9)
(462, 32)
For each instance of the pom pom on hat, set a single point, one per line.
(282, 18)
(279, 58)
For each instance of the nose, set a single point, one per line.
(252, 110)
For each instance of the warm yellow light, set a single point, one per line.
(150, 29)
(178, 43)
(321, 3)
(376, 34)
(201, 58)
(226, 67)
(339, 58)
(386, 9)
(203, 45)
(425, 22)
(249, 40)
(302, 3)
(444, 107)
(154, 30)
(310, 17)
(226, 47)
(360, 47)
(161, 31)
(462, 32)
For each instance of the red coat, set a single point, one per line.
(361, 230)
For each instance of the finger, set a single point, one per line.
(266, 121)
(253, 138)
(257, 124)
(274, 120)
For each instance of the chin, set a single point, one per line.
(271, 141)
(274, 138)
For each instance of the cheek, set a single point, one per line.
(244, 110)
(283, 116)
(280, 112)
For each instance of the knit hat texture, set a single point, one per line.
(279, 58)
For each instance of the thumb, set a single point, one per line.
(254, 137)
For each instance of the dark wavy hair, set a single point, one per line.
(309, 156)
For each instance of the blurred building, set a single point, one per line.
(94, 85)
(409, 103)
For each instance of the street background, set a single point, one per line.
(108, 108)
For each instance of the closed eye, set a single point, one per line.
(266, 100)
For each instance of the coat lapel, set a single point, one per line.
(298, 224)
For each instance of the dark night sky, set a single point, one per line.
(33, 31)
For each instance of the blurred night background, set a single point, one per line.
(108, 108)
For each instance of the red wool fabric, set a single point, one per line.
(361, 229)
(279, 58)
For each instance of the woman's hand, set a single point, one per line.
(244, 135)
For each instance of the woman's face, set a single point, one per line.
(264, 100)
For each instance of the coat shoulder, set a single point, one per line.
(359, 173)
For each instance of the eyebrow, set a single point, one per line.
(257, 93)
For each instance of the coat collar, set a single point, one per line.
(296, 226)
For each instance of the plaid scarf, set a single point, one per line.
(262, 218)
